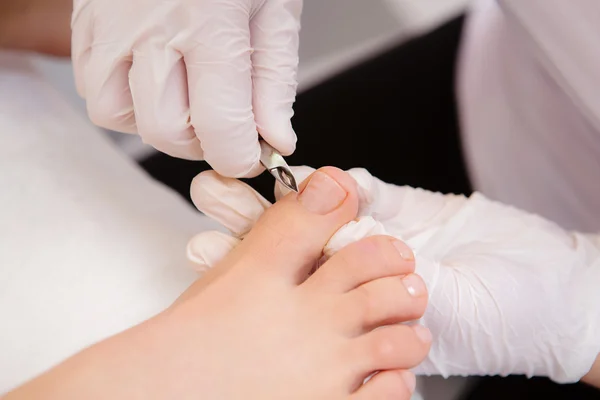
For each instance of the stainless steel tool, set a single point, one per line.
(276, 165)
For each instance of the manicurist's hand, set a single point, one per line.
(196, 79)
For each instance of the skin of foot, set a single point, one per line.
(41, 26)
(261, 326)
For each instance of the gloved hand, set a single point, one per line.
(196, 79)
(510, 293)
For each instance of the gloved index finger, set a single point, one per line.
(275, 39)
(219, 74)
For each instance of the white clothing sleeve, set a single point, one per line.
(528, 74)
(565, 36)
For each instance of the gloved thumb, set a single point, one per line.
(274, 32)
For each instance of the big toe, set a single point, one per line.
(290, 236)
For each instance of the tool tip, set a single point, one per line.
(287, 179)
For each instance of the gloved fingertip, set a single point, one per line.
(198, 266)
(233, 160)
(233, 169)
(207, 249)
(285, 144)
(208, 175)
(363, 178)
(253, 172)
(201, 182)
(189, 149)
(279, 133)
(195, 260)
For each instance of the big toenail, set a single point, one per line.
(414, 285)
(405, 251)
(410, 380)
(322, 195)
(422, 333)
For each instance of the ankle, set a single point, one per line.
(9, 15)
(37, 26)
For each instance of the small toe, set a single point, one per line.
(392, 347)
(364, 261)
(383, 302)
(387, 385)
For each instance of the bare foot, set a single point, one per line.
(263, 329)
(317, 338)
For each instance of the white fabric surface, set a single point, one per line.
(529, 94)
(89, 245)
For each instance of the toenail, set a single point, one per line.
(423, 333)
(414, 285)
(410, 380)
(322, 195)
(405, 251)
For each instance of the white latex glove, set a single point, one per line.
(196, 79)
(510, 293)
